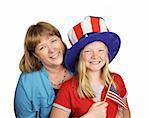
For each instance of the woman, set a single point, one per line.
(93, 49)
(43, 72)
(40, 65)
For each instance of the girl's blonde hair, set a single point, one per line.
(84, 87)
(34, 33)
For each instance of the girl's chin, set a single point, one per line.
(95, 68)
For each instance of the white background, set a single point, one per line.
(129, 18)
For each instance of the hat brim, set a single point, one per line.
(110, 39)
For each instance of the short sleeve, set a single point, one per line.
(22, 105)
(120, 86)
(62, 100)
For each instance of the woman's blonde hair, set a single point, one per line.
(34, 33)
(84, 87)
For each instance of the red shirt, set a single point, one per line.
(69, 100)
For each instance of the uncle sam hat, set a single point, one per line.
(89, 30)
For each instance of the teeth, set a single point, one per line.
(95, 62)
(54, 56)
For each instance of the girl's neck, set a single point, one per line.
(95, 78)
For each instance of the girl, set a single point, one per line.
(94, 47)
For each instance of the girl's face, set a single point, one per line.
(50, 51)
(95, 55)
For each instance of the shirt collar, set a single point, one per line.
(45, 72)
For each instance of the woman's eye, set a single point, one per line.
(42, 47)
(54, 40)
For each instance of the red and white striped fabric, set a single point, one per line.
(90, 24)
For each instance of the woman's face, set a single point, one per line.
(95, 55)
(50, 51)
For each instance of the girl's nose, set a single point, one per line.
(95, 54)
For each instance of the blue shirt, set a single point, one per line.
(34, 95)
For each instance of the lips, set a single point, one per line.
(54, 56)
(94, 62)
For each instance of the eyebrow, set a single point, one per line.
(41, 44)
(44, 42)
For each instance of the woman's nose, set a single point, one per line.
(50, 48)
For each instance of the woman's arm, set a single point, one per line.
(59, 113)
(22, 105)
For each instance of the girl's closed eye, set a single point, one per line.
(88, 51)
(100, 50)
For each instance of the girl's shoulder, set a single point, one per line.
(73, 82)
(119, 84)
(117, 78)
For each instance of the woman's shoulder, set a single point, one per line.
(36, 88)
(32, 79)
(28, 76)
(35, 83)
(34, 75)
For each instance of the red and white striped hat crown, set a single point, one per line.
(89, 25)
(90, 30)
